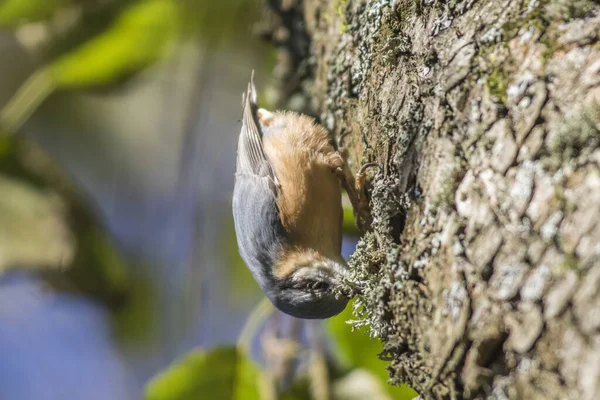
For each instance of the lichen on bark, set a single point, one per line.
(482, 270)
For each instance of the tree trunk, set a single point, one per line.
(482, 272)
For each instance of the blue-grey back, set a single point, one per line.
(260, 234)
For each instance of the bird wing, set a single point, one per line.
(251, 157)
(259, 231)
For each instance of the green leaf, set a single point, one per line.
(15, 12)
(140, 36)
(357, 350)
(223, 373)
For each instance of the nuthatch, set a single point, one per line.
(287, 209)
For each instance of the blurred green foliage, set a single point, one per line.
(46, 224)
(299, 390)
(355, 349)
(135, 36)
(219, 22)
(139, 36)
(16, 12)
(133, 321)
(107, 43)
(33, 231)
(104, 265)
(227, 372)
(224, 373)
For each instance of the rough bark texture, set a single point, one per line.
(482, 273)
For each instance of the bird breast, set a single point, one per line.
(309, 199)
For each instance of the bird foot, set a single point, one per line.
(354, 185)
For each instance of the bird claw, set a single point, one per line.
(355, 186)
(361, 176)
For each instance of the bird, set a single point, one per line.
(287, 209)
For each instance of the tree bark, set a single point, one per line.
(482, 273)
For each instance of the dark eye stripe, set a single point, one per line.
(309, 285)
(321, 285)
